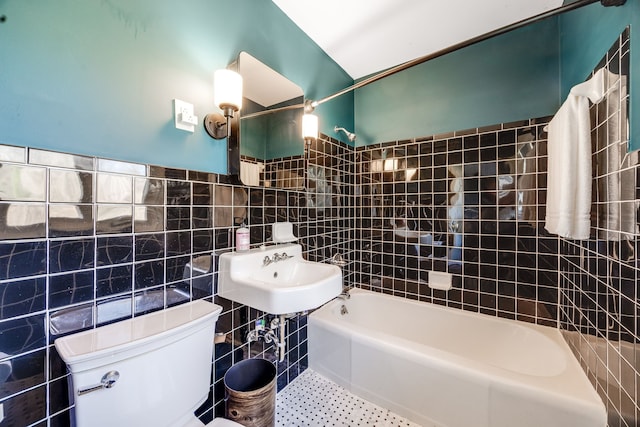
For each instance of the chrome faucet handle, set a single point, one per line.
(108, 380)
(266, 261)
(338, 260)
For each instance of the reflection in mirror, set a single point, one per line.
(325, 174)
(320, 188)
(271, 148)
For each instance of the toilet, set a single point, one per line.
(152, 370)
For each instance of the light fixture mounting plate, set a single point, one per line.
(216, 125)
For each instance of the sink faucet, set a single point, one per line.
(275, 258)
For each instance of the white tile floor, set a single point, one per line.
(313, 400)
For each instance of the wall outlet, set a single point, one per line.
(183, 116)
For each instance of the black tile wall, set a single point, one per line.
(599, 305)
(469, 203)
(22, 259)
(90, 232)
(22, 297)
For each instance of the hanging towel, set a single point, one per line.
(569, 162)
(250, 173)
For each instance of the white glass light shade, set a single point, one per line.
(309, 126)
(227, 89)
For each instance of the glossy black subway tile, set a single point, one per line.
(114, 219)
(203, 241)
(179, 193)
(71, 288)
(59, 395)
(22, 259)
(114, 280)
(148, 274)
(113, 188)
(23, 334)
(70, 186)
(178, 243)
(69, 255)
(148, 219)
(22, 297)
(114, 250)
(26, 408)
(177, 268)
(178, 218)
(26, 371)
(62, 160)
(149, 246)
(125, 168)
(23, 220)
(69, 220)
(162, 172)
(149, 191)
(23, 183)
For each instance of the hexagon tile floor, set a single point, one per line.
(312, 400)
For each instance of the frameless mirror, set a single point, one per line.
(269, 129)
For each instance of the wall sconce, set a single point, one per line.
(309, 127)
(227, 95)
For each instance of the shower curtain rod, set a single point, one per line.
(566, 8)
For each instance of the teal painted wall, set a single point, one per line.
(586, 34)
(99, 77)
(507, 78)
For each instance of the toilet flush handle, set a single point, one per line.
(108, 380)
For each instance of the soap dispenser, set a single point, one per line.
(243, 238)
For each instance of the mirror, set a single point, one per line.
(271, 150)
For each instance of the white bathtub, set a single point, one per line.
(450, 368)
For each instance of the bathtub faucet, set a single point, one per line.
(344, 295)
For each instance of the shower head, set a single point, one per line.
(350, 136)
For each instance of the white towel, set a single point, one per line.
(569, 162)
(250, 173)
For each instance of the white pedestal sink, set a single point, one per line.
(277, 280)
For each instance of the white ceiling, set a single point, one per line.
(367, 36)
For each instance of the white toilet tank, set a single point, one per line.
(163, 361)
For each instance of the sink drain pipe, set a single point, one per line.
(275, 334)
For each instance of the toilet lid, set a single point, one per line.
(221, 422)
